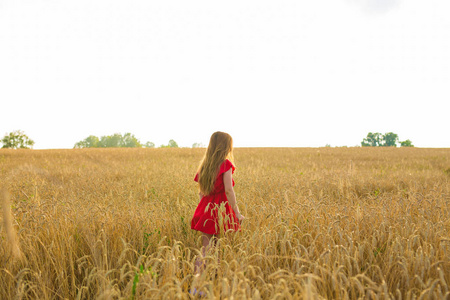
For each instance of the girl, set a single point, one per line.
(217, 210)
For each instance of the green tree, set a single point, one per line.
(372, 140)
(197, 145)
(17, 139)
(90, 142)
(406, 143)
(171, 144)
(110, 141)
(390, 139)
(130, 141)
(116, 140)
(149, 145)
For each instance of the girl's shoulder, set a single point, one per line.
(226, 165)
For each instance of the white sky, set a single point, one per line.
(271, 73)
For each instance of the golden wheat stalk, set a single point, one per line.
(8, 224)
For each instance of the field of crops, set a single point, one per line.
(321, 223)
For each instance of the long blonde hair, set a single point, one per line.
(219, 149)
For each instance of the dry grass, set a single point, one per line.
(331, 223)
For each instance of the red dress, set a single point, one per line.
(206, 217)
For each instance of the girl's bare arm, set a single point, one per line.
(229, 191)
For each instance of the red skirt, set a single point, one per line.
(214, 215)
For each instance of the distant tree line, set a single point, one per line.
(118, 140)
(19, 140)
(389, 139)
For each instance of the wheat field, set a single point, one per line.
(321, 223)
